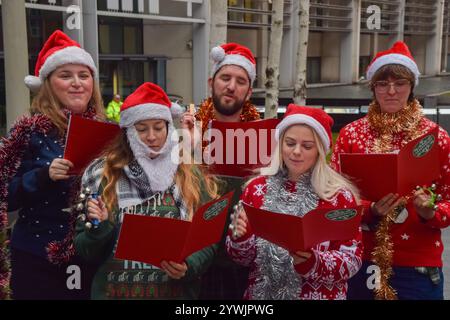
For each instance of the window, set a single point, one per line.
(313, 70)
(364, 62)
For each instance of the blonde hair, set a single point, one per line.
(325, 181)
(45, 102)
(189, 178)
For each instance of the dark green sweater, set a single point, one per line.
(122, 279)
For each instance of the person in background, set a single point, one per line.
(413, 269)
(297, 181)
(113, 109)
(233, 74)
(138, 173)
(37, 181)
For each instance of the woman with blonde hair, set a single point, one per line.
(297, 181)
(140, 173)
(36, 175)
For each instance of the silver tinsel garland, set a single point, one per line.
(278, 279)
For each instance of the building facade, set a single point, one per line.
(168, 41)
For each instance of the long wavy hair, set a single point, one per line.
(46, 102)
(189, 178)
(325, 181)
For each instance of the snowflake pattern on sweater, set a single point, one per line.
(323, 276)
(416, 242)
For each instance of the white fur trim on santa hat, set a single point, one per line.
(394, 58)
(146, 111)
(303, 119)
(69, 55)
(238, 60)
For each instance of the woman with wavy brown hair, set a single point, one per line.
(36, 175)
(140, 173)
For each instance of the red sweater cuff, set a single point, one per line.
(305, 267)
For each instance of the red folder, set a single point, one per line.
(154, 239)
(299, 234)
(243, 147)
(85, 140)
(377, 175)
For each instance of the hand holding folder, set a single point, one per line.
(86, 139)
(154, 239)
(299, 234)
(377, 175)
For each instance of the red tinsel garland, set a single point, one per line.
(12, 149)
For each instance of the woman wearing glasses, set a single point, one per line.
(413, 268)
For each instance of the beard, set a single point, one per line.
(227, 110)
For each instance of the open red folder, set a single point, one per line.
(377, 175)
(86, 139)
(154, 239)
(299, 234)
(240, 147)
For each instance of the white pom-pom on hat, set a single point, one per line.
(217, 54)
(33, 83)
(176, 110)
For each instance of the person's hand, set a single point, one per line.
(187, 120)
(300, 256)
(97, 210)
(174, 270)
(386, 204)
(239, 222)
(422, 204)
(58, 169)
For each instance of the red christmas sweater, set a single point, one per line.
(416, 242)
(324, 275)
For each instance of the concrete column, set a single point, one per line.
(289, 45)
(73, 20)
(263, 48)
(434, 43)
(200, 59)
(401, 21)
(349, 58)
(90, 29)
(15, 43)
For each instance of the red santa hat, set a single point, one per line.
(235, 54)
(149, 101)
(57, 51)
(398, 54)
(315, 118)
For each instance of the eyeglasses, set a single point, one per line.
(400, 85)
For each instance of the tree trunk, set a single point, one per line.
(273, 64)
(302, 51)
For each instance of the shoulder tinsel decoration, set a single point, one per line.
(386, 125)
(12, 149)
(206, 112)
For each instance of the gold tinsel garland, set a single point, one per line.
(406, 121)
(206, 113)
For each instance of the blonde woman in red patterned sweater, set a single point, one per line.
(297, 181)
(394, 119)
